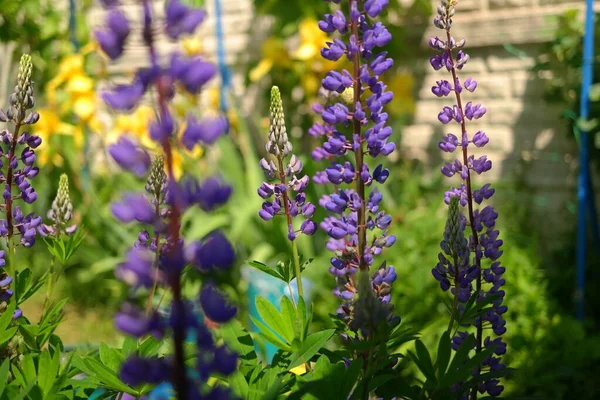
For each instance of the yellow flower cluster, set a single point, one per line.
(71, 107)
(305, 59)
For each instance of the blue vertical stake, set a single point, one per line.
(585, 196)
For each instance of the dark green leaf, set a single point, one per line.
(310, 347)
(271, 316)
(268, 335)
(266, 269)
(443, 355)
(6, 317)
(111, 358)
(4, 375)
(238, 340)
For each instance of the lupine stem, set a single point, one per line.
(49, 286)
(360, 184)
(295, 257)
(479, 336)
(455, 298)
(179, 368)
(9, 211)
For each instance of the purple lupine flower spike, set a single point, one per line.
(160, 254)
(355, 123)
(17, 169)
(287, 190)
(460, 265)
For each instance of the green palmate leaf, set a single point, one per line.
(288, 312)
(303, 318)
(47, 371)
(268, 335)
(238, 340)
(4, 375)
(262, 380)
(269, 313)
(23, 281)
(111, 358)
(28, 333)
(7, 334)
(150, 347)
(55, 312)
(104, 375)
(443, 354)
(266, 269)
(30, 290)
(286, 271)
(425, 359)
(310, 347)
(237, 383)
(6, 317)
(23, 393)
(129, 346)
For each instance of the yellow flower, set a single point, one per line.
(273, 53)
(137, 125)
(192, 46)
(312, 39)
(48, 126)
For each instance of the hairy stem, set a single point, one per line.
(179, 379)
(9, 209)
(454, 309)
(288, 216)
(359, 161)
(479, 335)
(49, 286)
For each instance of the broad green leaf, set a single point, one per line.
(150, 347)
(24, 392)
(302, 318)
(268, 335)
(129, 346)
(238, 384)
(28, 368)
(97, 370)
(271, 316)
(310, 347)
(266, 269)
(8, 334)
(6, 317)
(288, 312)
(111, 358)
(238, 340)
(23, 283)
(425, 359)
(4, 375)
(443, 354)
(47, 371)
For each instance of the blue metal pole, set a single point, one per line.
(584, 170)
(224, 70)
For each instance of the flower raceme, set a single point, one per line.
(354, 125)
(157, 259)
(17, 168)
(460, 265)
(285, 176)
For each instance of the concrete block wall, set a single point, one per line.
(529, 140)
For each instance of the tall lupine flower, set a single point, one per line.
(152, 262)
(484, 243)
(355, 126)
(287, 189)
(61, 212)
(17, 165)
